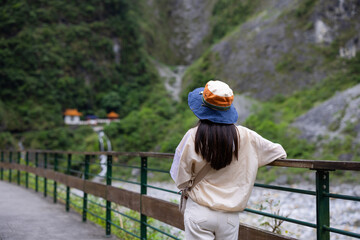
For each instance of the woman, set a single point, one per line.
(234, 154)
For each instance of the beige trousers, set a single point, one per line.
(203, 223)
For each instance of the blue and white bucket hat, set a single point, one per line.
(213, 102)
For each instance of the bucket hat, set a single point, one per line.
(213, 102)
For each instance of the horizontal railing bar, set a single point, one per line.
(95, 215)
(123, 229)
(73, 204)
(340, 196)
(122, 180)
(286, 189)
(297, 163)
(317, 164)
(123, 214)
(75, 171)
(162, 189)
(96, 175)
(281, 218)
(74, 194)
(342, 232)
(62, 198)
(156, 170)
(129, 154)
(74, 162)
(98, 164)
(124, 165)
(156, 229)
(98, 204)
(61, 188)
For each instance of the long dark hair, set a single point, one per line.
(217, 143)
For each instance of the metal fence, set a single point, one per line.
(85, 165)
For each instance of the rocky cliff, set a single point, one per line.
(336, 117)
(280, 49)
(175, 30)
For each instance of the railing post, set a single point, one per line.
(143, 217)
(322, 205)
(18, 171)
(86, 176)
(36, 176)
(55, 183)
(67, 187)
(10, 161)
(2, 170)
(45, 179)
(26, 173)
(108, 203)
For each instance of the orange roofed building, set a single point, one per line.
(112, 115)
(72, 116)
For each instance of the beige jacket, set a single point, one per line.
(229, 188)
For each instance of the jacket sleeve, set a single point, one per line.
(266, 150)
(181, 167)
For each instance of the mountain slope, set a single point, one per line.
(285, 47)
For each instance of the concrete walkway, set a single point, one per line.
(26, 215)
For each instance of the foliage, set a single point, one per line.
(62, 138)
(141, 130)
(227, 14)
(264, 122)
(57, 55)
(272, 223)
(7, 141)
(305, 8)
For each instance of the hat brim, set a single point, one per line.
(203, 112)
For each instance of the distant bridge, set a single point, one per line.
(62, 173)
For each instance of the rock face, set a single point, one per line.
(172, 79)
(333, 118)
(273, 54)
(183, 25)
(277, 50)
(244, 106)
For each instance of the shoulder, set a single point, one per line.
(188, 138)
(245, 131)
(191, 132)
(248, 134)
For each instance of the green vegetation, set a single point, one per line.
(58, 55)
(81, 138)
(228, 14)
(305, 8)
(142, 130)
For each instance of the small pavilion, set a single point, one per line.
(112, 116)
(72, 116)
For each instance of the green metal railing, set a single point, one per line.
(86, 165)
